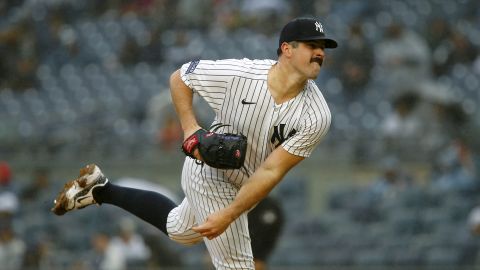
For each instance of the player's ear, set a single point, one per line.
(286, 49)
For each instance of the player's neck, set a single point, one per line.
(283, 84)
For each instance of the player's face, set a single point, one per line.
(308, 58)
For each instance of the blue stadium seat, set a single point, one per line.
(442, 256)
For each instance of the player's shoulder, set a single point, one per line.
(242, 67)
(258, 63)
(313, 93)
(315, 102)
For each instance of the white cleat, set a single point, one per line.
(77, 194)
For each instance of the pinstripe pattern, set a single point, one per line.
(224, 84)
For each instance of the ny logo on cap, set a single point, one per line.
(318, 27)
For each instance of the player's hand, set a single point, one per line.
(214, 225)
(188, 133)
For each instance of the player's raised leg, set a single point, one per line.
(92, 187)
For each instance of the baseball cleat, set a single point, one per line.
(77, 194)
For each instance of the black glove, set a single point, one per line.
(222, 151)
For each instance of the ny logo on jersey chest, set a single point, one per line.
(278, 136)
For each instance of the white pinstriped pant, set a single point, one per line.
(203, 196)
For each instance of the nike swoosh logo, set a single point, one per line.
(80, 200)
(244, 102)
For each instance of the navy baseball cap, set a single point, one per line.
(304, 29)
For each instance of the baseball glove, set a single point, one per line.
(222, 151)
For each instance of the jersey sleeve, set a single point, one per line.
(313, 126)
(209, 79)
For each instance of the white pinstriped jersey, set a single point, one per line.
(237, 91)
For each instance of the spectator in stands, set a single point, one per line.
(12, 248)
(9, 203)
(471, 135)
(392, 180)
(152, 53)
(437, 32)
(107, 256)
(471, 159)
(178, 51)
(4, 68)
(462, 50)
(473, 221)
(60, 42)
(455, 49)
(40, 252)
(21, 59)
(131, 52)
(355, 61)
(194, 14)
(401, 130)
(3, 9)
(5, 177)
(446, 119)
(131, 244)
(37, 190)
(454, 168)
(402, 57)
(453, 144)
(264, 15)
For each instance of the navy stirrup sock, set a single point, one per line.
(150, 206)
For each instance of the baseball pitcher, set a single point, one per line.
(269, 116)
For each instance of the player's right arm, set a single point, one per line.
(182, 97)
(206, 78)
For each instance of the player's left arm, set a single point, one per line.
(257, 187)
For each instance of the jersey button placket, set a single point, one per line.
(276, 108)
(276, 113)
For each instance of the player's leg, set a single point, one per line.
(150, 206)
(179, 225)
(154, 208)
(230, 250)
(93, 187)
